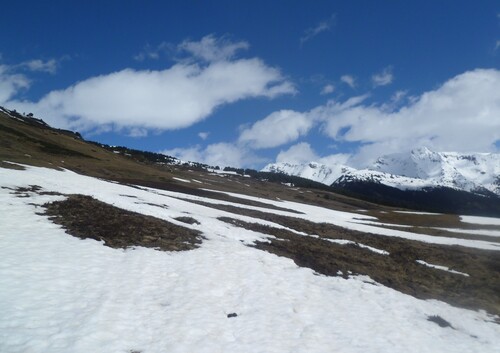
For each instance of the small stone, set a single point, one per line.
(232, 315)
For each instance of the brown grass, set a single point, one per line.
(86, 217)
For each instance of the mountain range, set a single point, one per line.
(417, 169)
(422, 179)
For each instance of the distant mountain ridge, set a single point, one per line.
(418, 169)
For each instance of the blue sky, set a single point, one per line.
(245, 83)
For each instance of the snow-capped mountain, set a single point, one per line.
(325, 174)
(419, 168)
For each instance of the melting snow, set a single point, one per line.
(347, 220)
(63, 294)
(444, 268)
(183, 180)
(419, 213)
(345, 242)
(481, 220)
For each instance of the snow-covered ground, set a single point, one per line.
(62, 294)
(481, 220)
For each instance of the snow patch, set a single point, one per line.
(481, 220)
(182, 180)
(443, 268)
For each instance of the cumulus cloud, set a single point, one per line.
(461, 115)
(49, 66)
(174, 98)
(303, 153)
(218, 154)
(14, 79)
(11, 83)
(299, 153)
(383, 78)
(327, 89)
(348, 80)
(322, 26)
(276, 129)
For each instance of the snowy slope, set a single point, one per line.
(413, 170)
(62, 294)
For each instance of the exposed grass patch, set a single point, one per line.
(85, 217)
(53, 148)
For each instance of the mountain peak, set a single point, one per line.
(419, 168)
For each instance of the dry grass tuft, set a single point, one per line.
(85, 217)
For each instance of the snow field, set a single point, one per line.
(480, 220)
(62, 294)
(353, 221)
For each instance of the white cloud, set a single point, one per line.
(349, 80)
(210, 48)
(218, 154)
(203, 135)
(461, 115)
(312, 32)
(303, 153)
(174, 98)
(276, 129)
(328, 89)
(49, 66)
(138, 132)
(497, 45)
(191, 154)
(11, 83)
(383, 78)
(299, 153)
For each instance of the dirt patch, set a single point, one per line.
(85, 217)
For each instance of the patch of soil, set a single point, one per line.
(85, 217)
